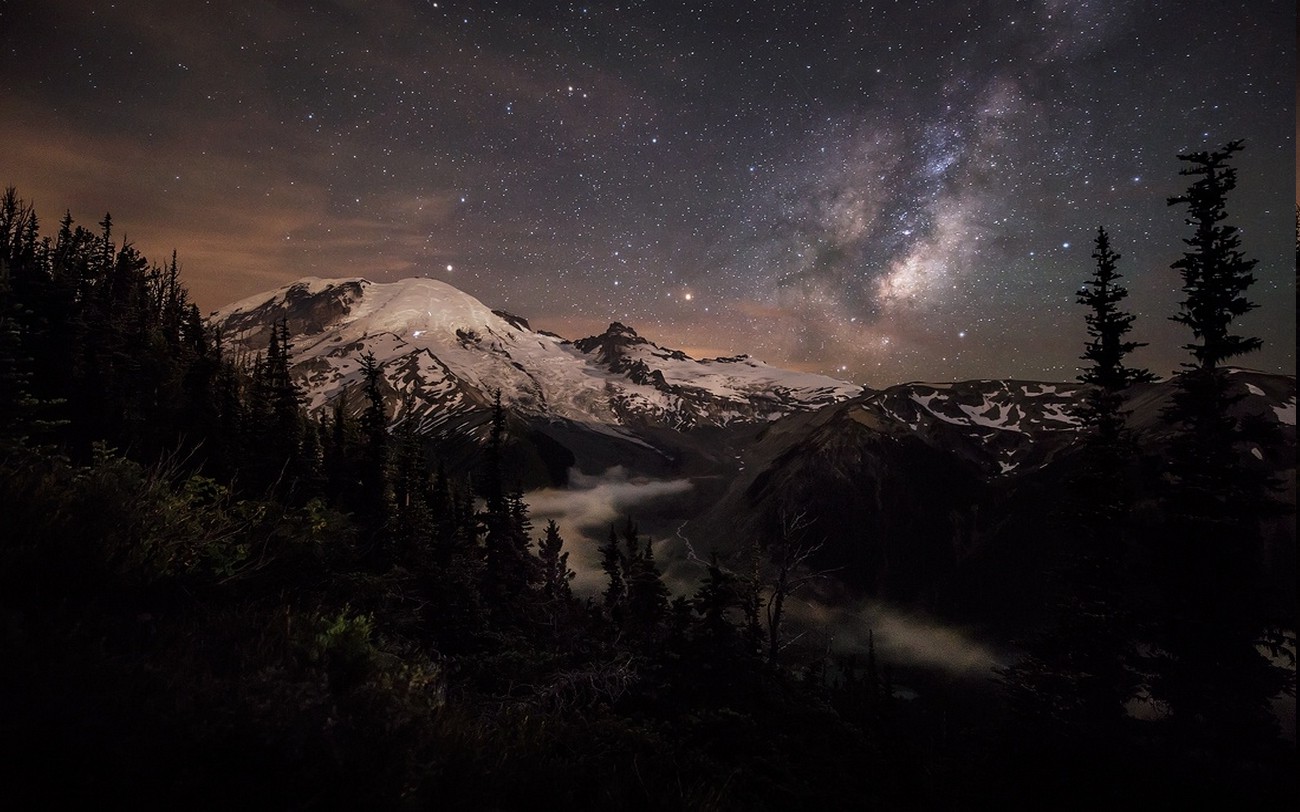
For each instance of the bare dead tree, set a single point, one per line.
(788, 557)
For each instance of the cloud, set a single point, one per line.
(585, 510)
(900, 637)
(237, 229)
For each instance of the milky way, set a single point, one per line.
(883, 191)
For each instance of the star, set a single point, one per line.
(829, 179)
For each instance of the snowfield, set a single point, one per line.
(442, 351)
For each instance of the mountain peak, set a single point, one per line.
(444, 353)
(610, 345)
(618, 328)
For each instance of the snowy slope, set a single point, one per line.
(443, 352)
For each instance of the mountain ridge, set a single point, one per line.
(443, 352)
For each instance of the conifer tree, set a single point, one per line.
(337, 453)
(751, 591)
(510, 568)
(1215, 272)
(1216, 683)
(716, 596)
(285, 394)
(410, 469)
(1108, 324)
(457, 576)
(20, 410)
(1077, 674)
(614, 598)
(647, 597)
(556, 593)
(556, 574)
(374, 473)
(492, 486)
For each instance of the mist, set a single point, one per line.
(900, 637)
(585, 510)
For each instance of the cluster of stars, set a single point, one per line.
(876, 190)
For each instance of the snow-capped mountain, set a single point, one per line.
(444, 353)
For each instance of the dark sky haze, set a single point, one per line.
(883, 191)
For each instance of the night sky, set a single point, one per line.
(882, 191)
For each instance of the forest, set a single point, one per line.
(210, 597)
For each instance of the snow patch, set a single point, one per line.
(1286, 414)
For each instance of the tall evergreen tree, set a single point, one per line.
(556, 574)
(647, 596)
(1108, 324)
(510, 568)
(20, 411)
(614, 598)
(1214, 680)
(374, 468)
(339, 474)
(557, 602)
(714, 599)
(285, 397)
(1215, 272)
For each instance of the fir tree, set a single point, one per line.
(21, 413)
(556, 592)
(510, 567)
(715, 598)
(1077, 674)
(1216, 683)
(1108, 324)
(1215, 272)
(647, 597)
(614, 598)
(339, 475)
(750, 592)
(410, 469)
(556, 574)
(374, 469)
(285, 396)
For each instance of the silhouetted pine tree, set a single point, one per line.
(373, 470)
(556, 574)
(614, 598)
(647, 597)
(286, 417)
(199, 422)
(510, 568)
(456, 610)
(491, 484)
(410, 468)
(1216, 683)
(413, 514)
(751, 586)
(340, 473)
(1077, 676)
(1107, 346)
(22, 415)
(714, 599)
(557, 601)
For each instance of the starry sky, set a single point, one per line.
(882, 191)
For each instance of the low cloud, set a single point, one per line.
(900, 637)
(585, 510)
